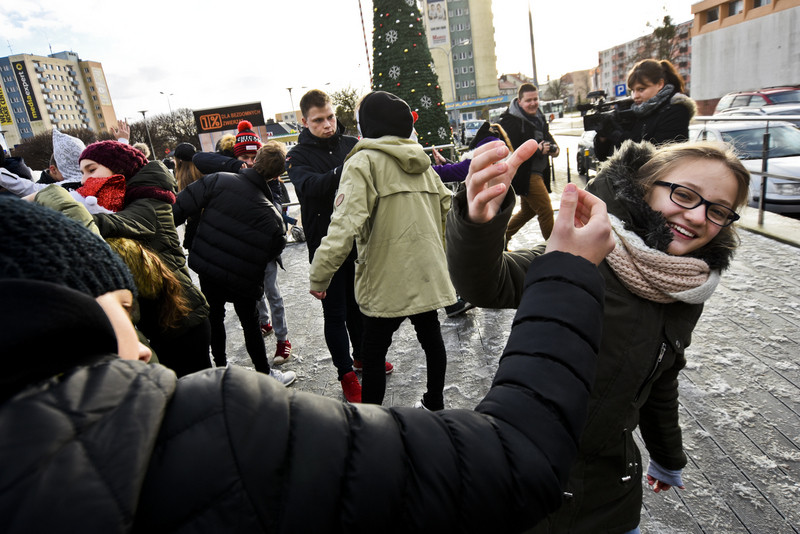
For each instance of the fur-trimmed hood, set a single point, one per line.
(617, 185)
(680, 99)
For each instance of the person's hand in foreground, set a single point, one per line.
(582, 227)
(489, 178)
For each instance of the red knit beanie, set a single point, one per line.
(247, 141)
(119, 157)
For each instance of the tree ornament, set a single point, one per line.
(394, 72)
(426, 102)
(391, 36)
(442, 133)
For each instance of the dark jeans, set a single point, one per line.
(342, 316)
(378, 333)
(185, 353)
(245, 308)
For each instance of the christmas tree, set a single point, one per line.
(403, 66)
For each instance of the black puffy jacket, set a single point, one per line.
(93, 443)
(240, 231)
(315, 168)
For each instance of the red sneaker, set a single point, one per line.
(266, 329)
(282, 352)
(351, 388)
(359, 367)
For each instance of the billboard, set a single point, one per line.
(5, 113)
(436, 18)
(100, 85)
(27, 91)
(220, 119)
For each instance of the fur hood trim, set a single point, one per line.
(680, 99)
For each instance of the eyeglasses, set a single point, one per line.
(690, 199)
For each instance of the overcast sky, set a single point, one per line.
(205, 56)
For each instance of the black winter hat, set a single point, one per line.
(185, 151)
(37, 243)
(381, 113)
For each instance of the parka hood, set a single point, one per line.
(408, 154)
(616, 184)
(680, 99)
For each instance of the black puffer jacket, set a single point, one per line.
(147, 218)
(240, 231)
(98, 444)
(665, 124)
(641, 353)
(315, 168)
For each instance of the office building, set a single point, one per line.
(60, 90)
(743, 45)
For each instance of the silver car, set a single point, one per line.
(783, 157)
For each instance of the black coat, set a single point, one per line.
(519, 131)
(240, 231)
(315, 168)
(641, 353)
(665, 124)
(99, 444)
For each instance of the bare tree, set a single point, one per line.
(36, 150)
(167, 130)
(345, 102)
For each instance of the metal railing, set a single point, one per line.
(705, 119)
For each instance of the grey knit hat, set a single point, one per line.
(37, 243)
(67, 150)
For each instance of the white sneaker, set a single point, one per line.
(286, 378)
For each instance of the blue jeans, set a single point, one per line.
(272, 293)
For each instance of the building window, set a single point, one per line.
(759, 3)
(472, 83)
(464, 70)
(735, 7)
(471, 69)
(458, 85)
(712, 14)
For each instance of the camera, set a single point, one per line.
(594, 115)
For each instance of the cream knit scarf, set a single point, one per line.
(658, 276)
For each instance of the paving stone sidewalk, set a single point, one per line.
(740, 393)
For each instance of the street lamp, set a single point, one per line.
(452, 68)
(449, 50)
(294, 113)
(168, 104)
(147, 129)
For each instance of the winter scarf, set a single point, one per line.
(658, 276)
(646, 108)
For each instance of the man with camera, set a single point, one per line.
(523, 120)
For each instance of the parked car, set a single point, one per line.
(585, 156)
(770, 111)
(470, 129)
(783, 157)
(761, 97)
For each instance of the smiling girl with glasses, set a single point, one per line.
(671, 209)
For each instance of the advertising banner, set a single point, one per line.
(5, 113)
(438, 27)
(100, 85)
(219, 119)
(26, 90)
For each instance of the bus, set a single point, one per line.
(552, 109)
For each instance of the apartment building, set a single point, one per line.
(40, 92)
(743, 45)
(461, 40)
(614, 63)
